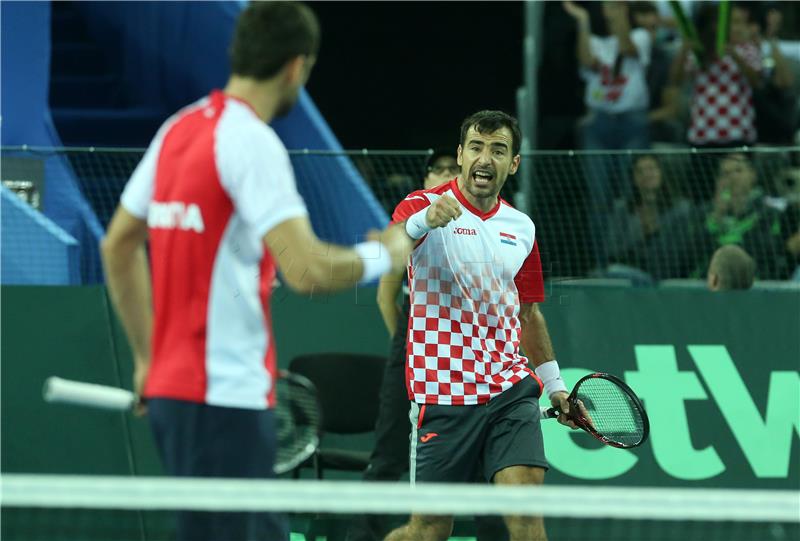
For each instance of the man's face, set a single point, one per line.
(647, 20)
(740, 27)
(296, 78)
(486, 160)
(614, 11)
(443, 169)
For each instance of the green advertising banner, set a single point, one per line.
(718, 374)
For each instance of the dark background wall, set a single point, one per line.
(405, 74)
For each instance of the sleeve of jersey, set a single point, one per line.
(257, 174)
(139, 190)
(413, 203)
(529, 280)
(641, 39)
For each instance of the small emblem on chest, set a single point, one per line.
(508, 238)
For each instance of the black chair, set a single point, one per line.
(348, 388)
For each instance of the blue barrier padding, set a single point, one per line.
(26, 121)
(35, 250)
(172, 53)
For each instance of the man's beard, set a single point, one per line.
(285, 106)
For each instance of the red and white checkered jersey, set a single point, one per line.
(722, 109)
(214, 180)
(466, 283)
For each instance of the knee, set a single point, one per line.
(431, 528)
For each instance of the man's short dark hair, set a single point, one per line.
(643, 7)
(269, 34)
(490, 122)
(439, 152)
(734, 267)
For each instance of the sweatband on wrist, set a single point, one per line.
(375, 258)
(550, 375)
(416, 225)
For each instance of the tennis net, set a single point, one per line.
(47, 507)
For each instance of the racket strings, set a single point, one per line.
(297, 418)
(612, 412)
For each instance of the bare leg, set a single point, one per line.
(423, 528)
(521, 528)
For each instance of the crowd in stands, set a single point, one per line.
(646, 87)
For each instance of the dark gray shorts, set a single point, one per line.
(457, 444)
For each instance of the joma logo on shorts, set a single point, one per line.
(464, 231)
(175, 215)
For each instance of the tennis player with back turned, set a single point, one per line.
(215, 196)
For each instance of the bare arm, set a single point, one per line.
(535, 339)
(539, 349)
(388, 288)
(622, 30)
(309, 264)
(677, 71)
(128, 279)
(782, 76)
(582, 46)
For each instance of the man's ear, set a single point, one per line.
(459, 161)
(514, 164)
(294, 68)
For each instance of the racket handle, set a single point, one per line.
(87, 394)
(548, 413)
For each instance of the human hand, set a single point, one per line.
(442, 212)
(395, 239)
(140, 369)
(560, 402)
(576, 12)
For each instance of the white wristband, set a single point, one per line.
(550, 375)
(416, 225)
(375, 258)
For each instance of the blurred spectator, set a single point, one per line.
(731, 268)
(721, 109)
(776, 98)
(617, 99)
(788, 190)
(738, 215)
(440, 167)
(662, 124)
(614, 68)
(635, 224)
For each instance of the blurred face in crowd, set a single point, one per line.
(647, 175)
(614, 11)
(739, 26)
(445, 168)
(486, 160)
(647, 20)
(737, 178)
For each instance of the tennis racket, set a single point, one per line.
(297, 411)
(605, 407)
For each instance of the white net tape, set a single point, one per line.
(631, 503)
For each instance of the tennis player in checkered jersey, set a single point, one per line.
(475, 280)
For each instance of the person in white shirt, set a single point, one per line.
(617, 99)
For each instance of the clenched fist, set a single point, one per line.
(442, 212)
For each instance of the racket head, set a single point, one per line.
(297, 421)
(607, 408)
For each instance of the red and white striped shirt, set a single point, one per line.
(467, 281)
(212, 183)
